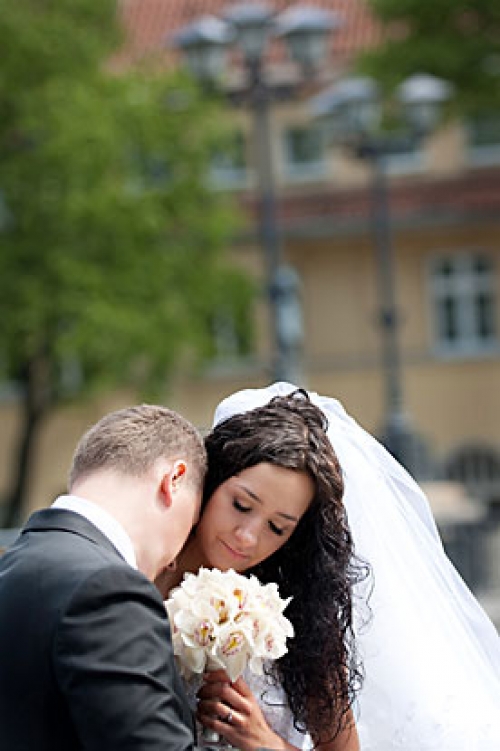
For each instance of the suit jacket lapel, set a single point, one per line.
(64, 520)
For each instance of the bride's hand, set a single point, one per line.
(232, 710)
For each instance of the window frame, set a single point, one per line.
(485, 154)
(228, 176)
(464, 290)
(315, 169)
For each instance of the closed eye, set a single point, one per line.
(240, 507)
(277, 530)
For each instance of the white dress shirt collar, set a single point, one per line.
(104, 522)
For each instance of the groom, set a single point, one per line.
(86, 657)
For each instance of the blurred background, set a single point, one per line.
(199, 196)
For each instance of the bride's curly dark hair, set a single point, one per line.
(321, 672)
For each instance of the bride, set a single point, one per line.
(430, 655)
(273, 507)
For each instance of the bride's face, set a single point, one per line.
(251, 515)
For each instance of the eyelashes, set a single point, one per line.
(240, 507)
(277, 530)
(245, 509)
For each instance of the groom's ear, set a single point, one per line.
(172, 479)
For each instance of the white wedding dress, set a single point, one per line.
(273, 702)
(431, 655)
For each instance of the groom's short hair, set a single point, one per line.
(131, 440)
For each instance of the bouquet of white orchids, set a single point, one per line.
(226, 620)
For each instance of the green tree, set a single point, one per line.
(112, 263)
(458, 40)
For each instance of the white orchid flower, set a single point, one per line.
(226, 620)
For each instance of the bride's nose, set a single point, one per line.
(246, 534)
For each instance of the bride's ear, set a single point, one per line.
(172, 480)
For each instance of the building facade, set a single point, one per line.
(444, 213)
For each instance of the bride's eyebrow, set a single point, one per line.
(288, 516)
(249, 492)
(255, 497)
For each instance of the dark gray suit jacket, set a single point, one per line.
(85, 652)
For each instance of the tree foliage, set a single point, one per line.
(458, 40)
(112, 261)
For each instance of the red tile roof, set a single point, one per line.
(149, 23)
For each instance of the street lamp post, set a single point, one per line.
(249, 27)
(351, 112)
(396, 430)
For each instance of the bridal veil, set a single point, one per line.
(431, 655)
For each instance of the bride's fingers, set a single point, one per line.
(218, 716)
(216, 676)
(213, 709)
(224, 692)
(222, 705)
(220, 676)
(222, 719)
(244, 730)
(241, 686)
(212, 689)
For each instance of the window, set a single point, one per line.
(228, 168)
(304, 152)
(484, 138)
(464, 303)
(478, 468)
(403, 153)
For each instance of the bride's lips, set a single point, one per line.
(235, 553)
